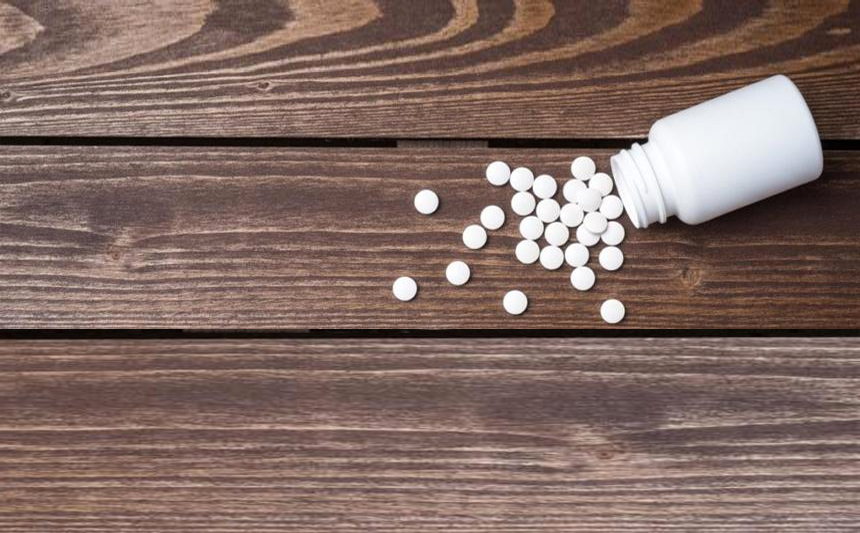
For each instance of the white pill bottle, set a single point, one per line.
(720, 155)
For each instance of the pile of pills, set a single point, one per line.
(588, 215)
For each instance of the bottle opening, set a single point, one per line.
(638, 187)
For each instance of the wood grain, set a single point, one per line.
(395, 69)
(313, 238)
(705, 435)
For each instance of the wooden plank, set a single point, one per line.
(313, 238)
(388, 68)
(706, 435)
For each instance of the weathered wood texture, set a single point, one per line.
(455, 435)
(313, 238)
(393, 68)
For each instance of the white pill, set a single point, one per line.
(474, 237)
(531, 228)
(426, 202)
(515, 302)
(572, 187)
(522, 179)
(583, 168)
(548, 210)
(492, 217)
(614, 234)
(571, 215)
(595, 223)
(527, 252)
(404, 288)
(576, 255)
(458, 273)
(611, 207)
(586, 237)
(582, 278)
(523, 203)
(601, 183)
(551, 257)
(498, 173)
(544, 186)
(557, 234)
(612, 311)
(611, 258)
(589, 200)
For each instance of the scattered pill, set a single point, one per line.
(595, 222)
(572, 187)
(612, 311)
(583, 168)
(588, 199)
(551, 257)
(404, 288)
(611, 258)
(611, 207)
(426, 202)
(576, 255)
(582, 278)
(548, 210)
(586, 237)
(614, 234)
(492, 217)
(458, 273)
(544, 186)
(557, 234)
(474, 237)
(531, 228)
(527, 252)
(571, 215)
(601, 183)
(515, 302)
(522, 179)
(498, 173)
(523, 203)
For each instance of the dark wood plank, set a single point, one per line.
(705, 435)
(313, 238)
(394, 69)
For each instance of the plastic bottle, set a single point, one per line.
(720, 155)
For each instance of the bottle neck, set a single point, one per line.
(638, 185)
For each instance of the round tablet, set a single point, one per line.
(474, 237)
(571, 215)
(527, 252)
(589, 200)
(544, 186)
(404, 288)
(515, 302)
(586, 237)
(557, 234)
(611, 258)
(548, 210)
(426, 202)
(458, 273)
(612, 311)
(531, 228)
(522, 179)
(572, 187)
(595, 223)
(583, 168)
(576, 255)
(601, 183)
(614, 234)
(582, 278)
(611, 207)
(523, 203)
(551, 257)
(492, 217)
(498, 173)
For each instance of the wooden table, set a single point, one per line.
(223, 180)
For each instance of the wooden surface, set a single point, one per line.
(394, 69)
(429, 435)
(313, 238)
